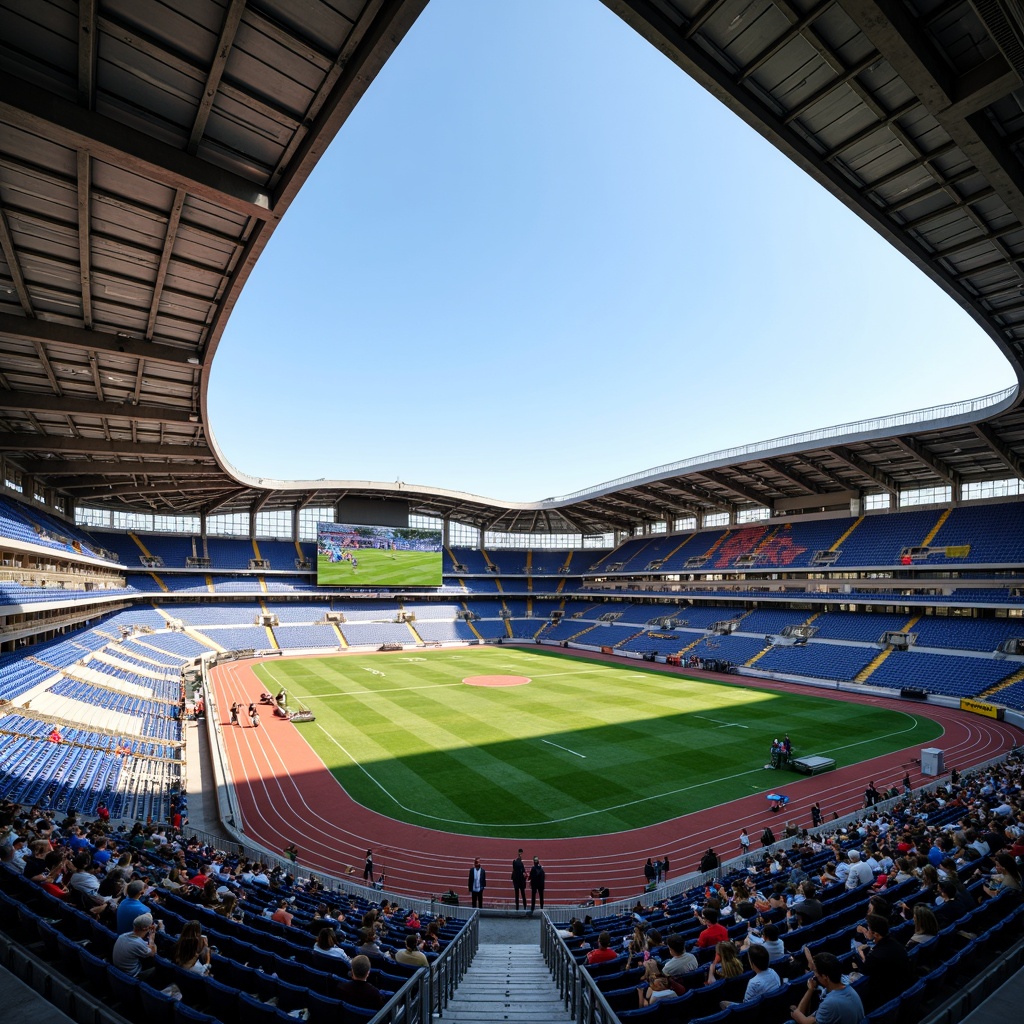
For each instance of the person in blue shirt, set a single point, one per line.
(840, 1004)
(765, 980)
(131, 906)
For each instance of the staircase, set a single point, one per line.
(507, 983)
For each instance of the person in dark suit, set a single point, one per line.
(536, 885)
(477, 883)
(519, 879)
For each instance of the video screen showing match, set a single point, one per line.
(348, 555)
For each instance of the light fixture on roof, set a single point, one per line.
(194, 360)
(193, 417)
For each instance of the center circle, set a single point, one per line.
(497, 680)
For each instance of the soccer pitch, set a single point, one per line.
(584, 748)
(382, 568)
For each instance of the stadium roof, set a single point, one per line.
(148, 150)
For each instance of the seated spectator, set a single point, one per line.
(839, 1003)
(35, 863)
(327, 944)
(953, 901)
(282, 915)
(411, 956)
(131, 906)
(192, 950)
(860, 873)
(358, 991)
(654, 985)
(368, 945)
(680, 962)
(135, 948)
(808, 910)
(885, 962)
(768, 938)
(727, 963)
(926, 925)
(603, 952)
(1005, 876)
(764, 981)
(713, 932)
(229, 908)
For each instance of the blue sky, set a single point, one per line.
(539, 256)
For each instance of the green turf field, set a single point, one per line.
(382, 568)
(585, 748)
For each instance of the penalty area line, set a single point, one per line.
(566, 749)
(723, 725)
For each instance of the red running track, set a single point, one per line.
(286, 795)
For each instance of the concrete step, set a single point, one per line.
(507, 983)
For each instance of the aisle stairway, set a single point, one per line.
(507, 983)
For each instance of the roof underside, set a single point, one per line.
(148, 149)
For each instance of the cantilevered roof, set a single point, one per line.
(148, 149)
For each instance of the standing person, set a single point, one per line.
(292, 853)
(767, 836)
(536, 885)
(664, 868)
(649, 873)
(744, 842)
(234, 713)
(368, 867)
(519, 879)
(816, 815)
(906, 784)
(477, 883)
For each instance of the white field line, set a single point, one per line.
(566, 749)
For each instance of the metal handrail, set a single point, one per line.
(579, 992)
(891, 422)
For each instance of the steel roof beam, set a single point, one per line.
(828, 474)
(14, 265)
(25, 328)
(37, 401)
(792, 476)
(39, 112)
(88, 473)
(956, 102)
(226, 499)
(862, 466)
(99, 490)
(730, 485)
(1005, 454)
(232, 19)
(916, 449)
(668, 502)
(97, 446)
(87, 53)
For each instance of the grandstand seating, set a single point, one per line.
(942, 673)
(375, 633)
(818, 660)
(305, 636)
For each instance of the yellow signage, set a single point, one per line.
(960, 551)
(979, 707)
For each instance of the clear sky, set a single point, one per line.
(538, 256)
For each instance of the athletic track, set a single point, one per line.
(286, 795)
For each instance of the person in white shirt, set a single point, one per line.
(860, 873)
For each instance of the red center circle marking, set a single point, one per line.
(497, 680)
